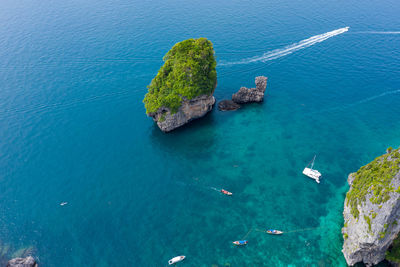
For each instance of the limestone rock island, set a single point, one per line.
(246, 95)
(183, 87)
(372, 210)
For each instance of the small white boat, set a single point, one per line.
(310, 172)
(63, 203)
(274, 232)
(176, 260)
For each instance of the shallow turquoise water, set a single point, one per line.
(72, 128)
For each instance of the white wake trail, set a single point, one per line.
(277, 53)
(362, 101)
(376, 32)
(375, 97)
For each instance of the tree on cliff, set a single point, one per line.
(188, 72)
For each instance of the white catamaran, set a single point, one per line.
(310, 172)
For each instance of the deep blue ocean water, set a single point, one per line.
(73, 129)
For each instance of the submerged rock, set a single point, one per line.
(372, 210)
(188, 111)
(22, 262)
(226, 105)
(246, 95)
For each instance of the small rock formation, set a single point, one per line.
(22, 262)
(372, 210)
(188, 111)
(246, 95)
(226, 105)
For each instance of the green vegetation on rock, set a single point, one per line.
(188, 72)
(368, 220)
(393, 254)
(382, 235)
(162, 118)
(374, 177)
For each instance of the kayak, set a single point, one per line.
(176, 260)
(223, 191)
(240, 242)
(274, 232)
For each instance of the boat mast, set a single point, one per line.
(312, 164)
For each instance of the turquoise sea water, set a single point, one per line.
(73, 129)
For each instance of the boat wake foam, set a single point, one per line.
(375, 97)
(215, 189)
(277, 53)
(377, 32)
(362, 101)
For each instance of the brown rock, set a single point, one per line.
(246, 95)
(226, 105)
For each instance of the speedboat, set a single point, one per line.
(176, 260)
(274, 232)
(240, 242)
(223, 191)
(310, 172)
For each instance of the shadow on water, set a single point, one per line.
(384, 263)
(197, 135)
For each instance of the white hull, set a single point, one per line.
(277, 232)
(313, 174)
(176, 260)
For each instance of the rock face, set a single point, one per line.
(246, 95)
(189, 110)
(22, 262)
(369, 234)
(226, 105)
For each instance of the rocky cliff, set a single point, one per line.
(372, 210)
(246, 95)
(188, 111)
